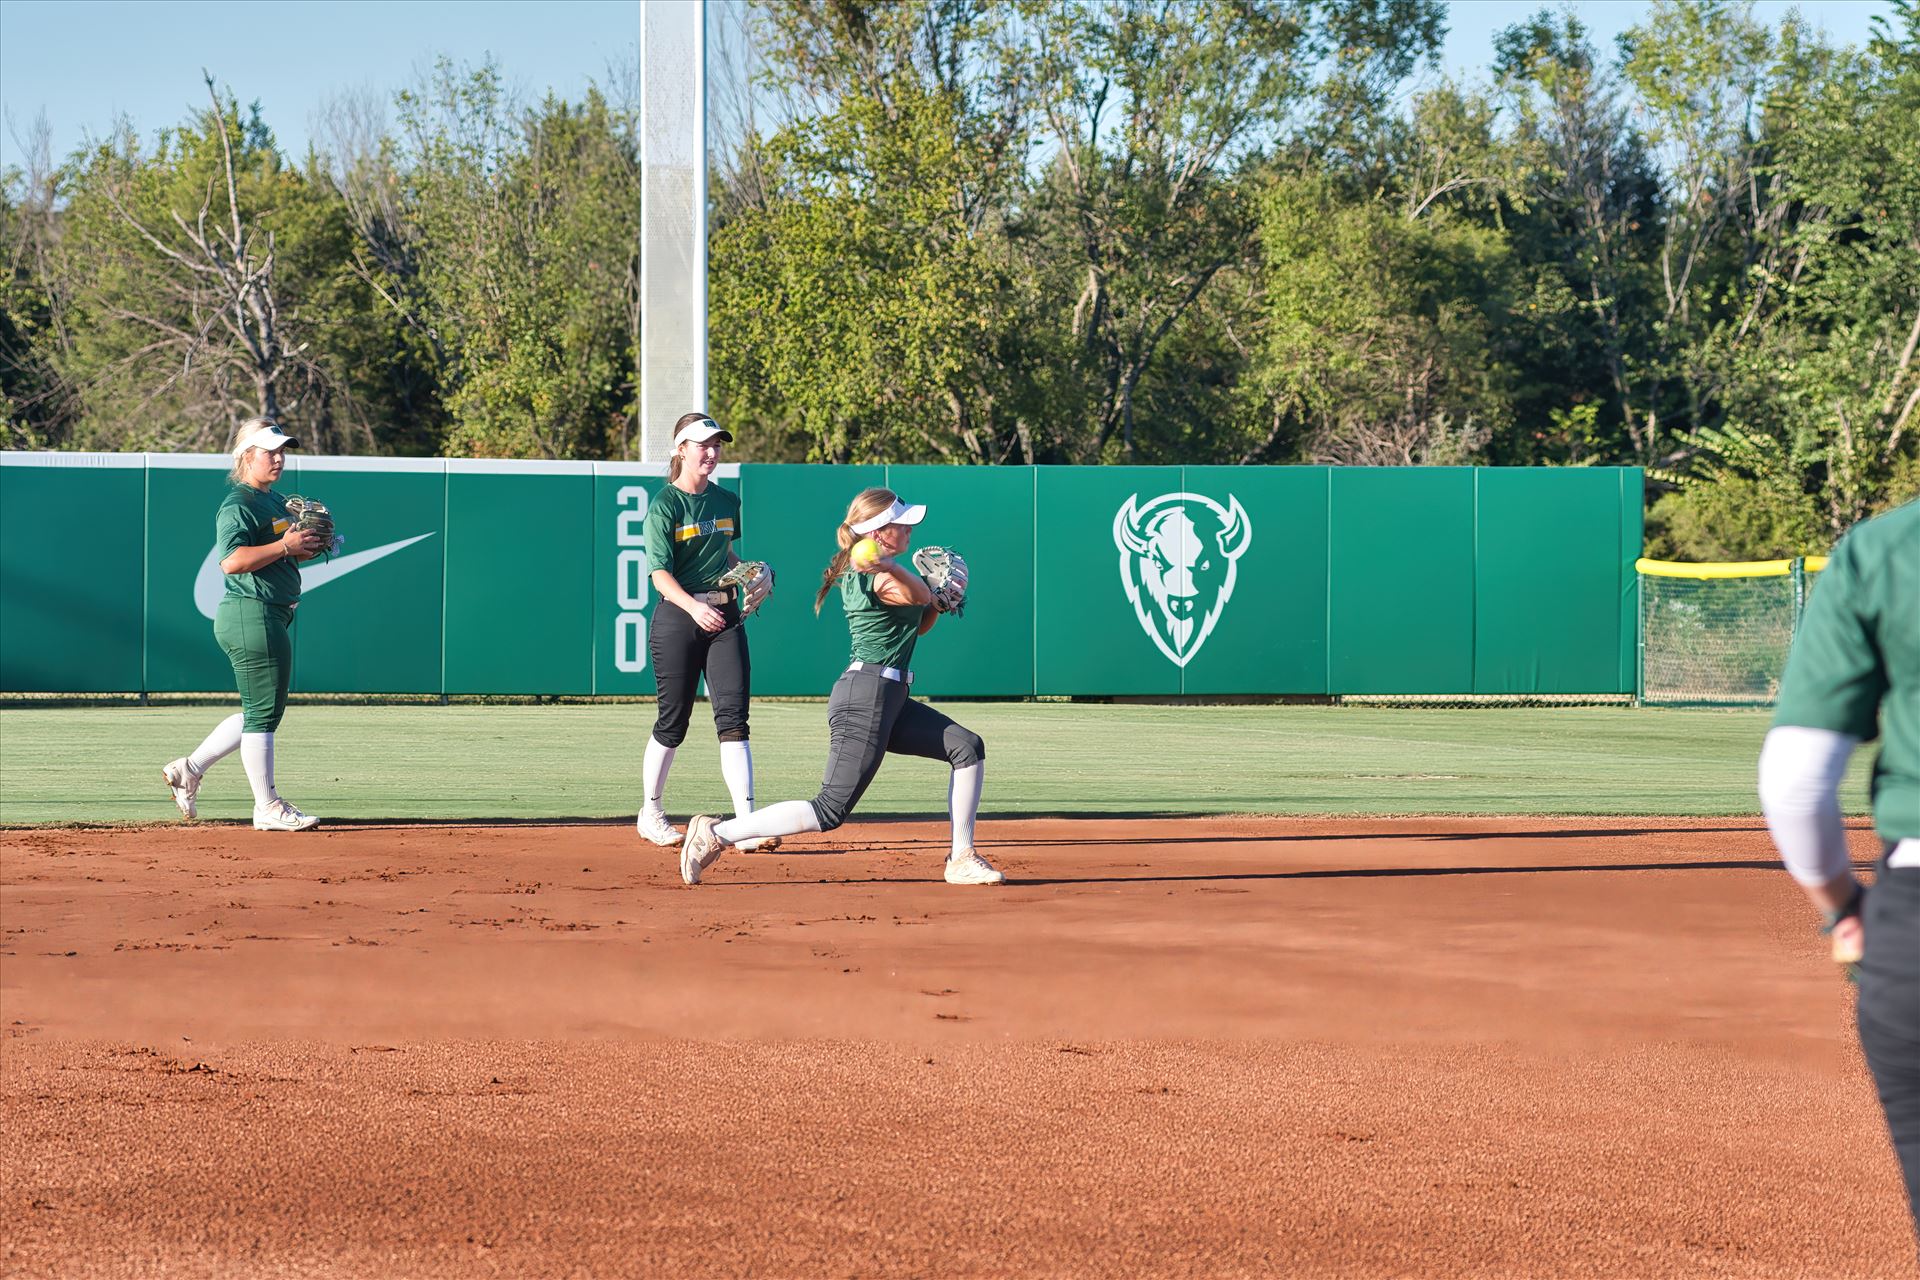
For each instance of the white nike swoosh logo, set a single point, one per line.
(209, 585)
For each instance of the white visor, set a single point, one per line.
(705, 429)
(268, 438)
(898, 513)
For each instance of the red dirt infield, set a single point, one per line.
(1170, 1047)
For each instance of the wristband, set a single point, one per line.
(1832, 919)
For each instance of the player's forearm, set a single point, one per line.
(929, 616)
(897, 585)
(254, 559)
(1833, 896)
(1800, 773)
(671, 591)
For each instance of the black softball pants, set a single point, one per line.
(1889, 1012)
(681, 654)
(869, 715)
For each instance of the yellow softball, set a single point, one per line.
(865, 553)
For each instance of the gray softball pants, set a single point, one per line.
(868, 716)
(1889, 1011)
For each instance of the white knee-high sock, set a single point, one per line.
(963, 802)
(256, 752)
(787, 818)
(736, 766)
(653, 771)
(221, 743)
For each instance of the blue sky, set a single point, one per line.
(86, 62)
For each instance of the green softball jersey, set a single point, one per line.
(881, 632)
(689, 534)
(1855, 666)
(253, 517)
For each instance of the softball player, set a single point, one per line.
(889, 607)
(691, 527)
(259, 548)
(1855, 674)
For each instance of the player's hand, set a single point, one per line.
(1849, 940)
(707, 618)
(301, 544)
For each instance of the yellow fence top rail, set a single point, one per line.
(1726, 568)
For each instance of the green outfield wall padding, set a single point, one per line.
(1632, 529)
(394, 563)
(1272, 634)
(1087, 635)
(70, 575)
(987, 512)
(1401, 580)
(183, 580)
(1546, 611)
(520, 580)
(476, 577)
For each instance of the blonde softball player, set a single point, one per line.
(889, 607)
(698, 629)
(1854, 675)
(260, 548)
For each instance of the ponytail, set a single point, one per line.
(836, 566)
(673, 467)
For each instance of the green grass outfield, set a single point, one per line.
(102, 764)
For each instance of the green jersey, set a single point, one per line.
(1857, 655)
(690, 534)
(881, 632)
(253, 517)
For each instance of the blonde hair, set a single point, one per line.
(236, 474)
(673, 461)
(868, 504)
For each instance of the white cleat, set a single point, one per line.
(185, 785)
(971, 868)
(282, 816)
(701, 850)
(653, 825)
(759, 844)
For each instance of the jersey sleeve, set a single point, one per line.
(1835, 677)
(739, 528)
(659, 531)
(234, 526)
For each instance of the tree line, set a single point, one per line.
(967, 231)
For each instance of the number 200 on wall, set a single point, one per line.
(632, 586)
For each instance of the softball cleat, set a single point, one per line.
(701, 849)
(185, 785)
(282, 816)
(971, 868)
(652, 825)
(759, 844)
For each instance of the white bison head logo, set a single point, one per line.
(1179, 555)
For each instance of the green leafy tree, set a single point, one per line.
(1838, 376)
(182, 316)
(524, 244)
(1159, 115)
(861, 305)
(36, 401)
(1382, 327)
(1586, 236)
